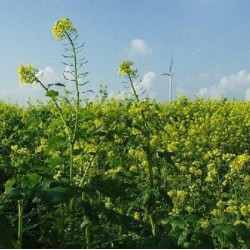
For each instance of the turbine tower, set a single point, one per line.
(170, 77)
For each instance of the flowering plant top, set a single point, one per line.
(62, 27)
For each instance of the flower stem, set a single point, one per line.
(20, 223)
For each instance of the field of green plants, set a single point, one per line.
(132, 173)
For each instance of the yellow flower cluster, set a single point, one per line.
(245, 210)
(62, 27)
(42, 145)
(57, 175)
(204, 223)
(189, 209)
(137, 154)
(19, 156)
(108, 205)
(177, 196)
(212, 172)
(137, 216)
(125, 69)
(133, 168)
(232, 207)
(14, 148)
(195, 171)
(27, 74)
(114, 171)
(20, 151)
(238, 164)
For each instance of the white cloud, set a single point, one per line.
(23, 92)
(139, 47)
(247, 94)
(147, 80)
(235, 86)
(203, 91)
(146, 83)
(121, 95)
(48, 75)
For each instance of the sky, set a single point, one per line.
(208, 39)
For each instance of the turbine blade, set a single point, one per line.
(170, 68)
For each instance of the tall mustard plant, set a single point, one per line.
(126, 69)
(63, 30)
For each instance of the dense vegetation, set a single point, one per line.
(176, 176)
(132, 173)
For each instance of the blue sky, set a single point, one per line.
(209, 39)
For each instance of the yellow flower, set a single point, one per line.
(14, 148)
(204, 223)
(215, 212)
(171, 193)
(133, 168)
(41, 125)
(238, 164)
(189, 209)
(108, 205)
(182, 168)
(57, 175)
(125, 69)
(114, 171)
(245, 210)
(62, 28)
(231, 209)
(220, 203)
(23, 151)
(137, 216)
(239, 222)
(27, 74)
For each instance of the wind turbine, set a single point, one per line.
(170, 77)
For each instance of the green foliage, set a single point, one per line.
(7, 238)
(198, 150)
(52, 93)
(225, 235)
(56, 195)
(121, 173)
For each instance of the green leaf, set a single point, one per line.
(93, 210)
(56, 161)
(60, 84)
(225, 235)
(183, 237)
(158, 242)
(52, 93)
(118, 219)
(192, 219)
(112, 188)
(15, 193)
(7, 236)
(54, 141)
(101, 131)
(56, 123)
(56, 195)
(10, 183)
(30, 180)
(202, 240)
(167, 156)
(149, 243)
(166, 242)
(244, 234)
(86, 115)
